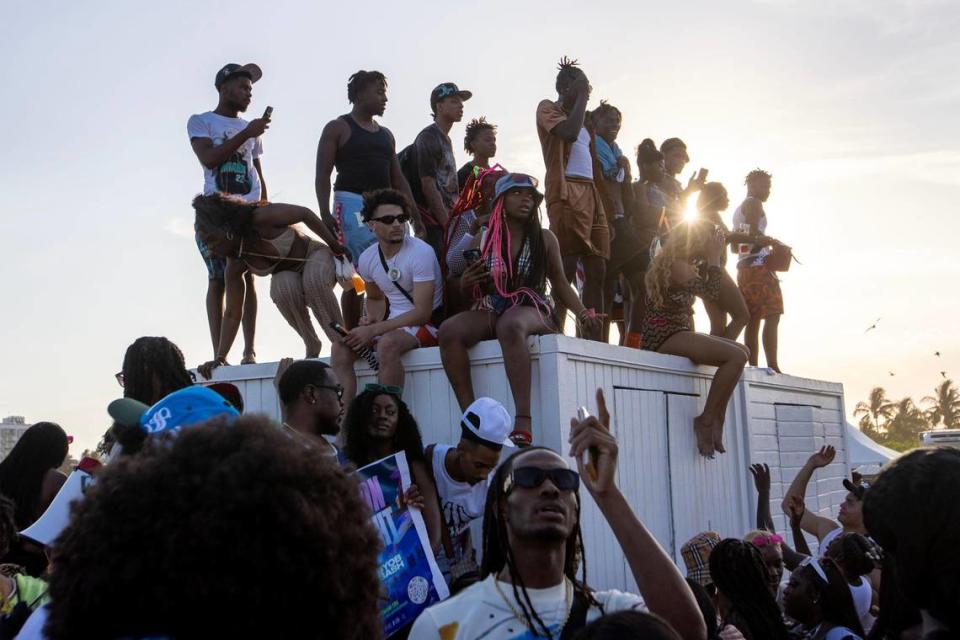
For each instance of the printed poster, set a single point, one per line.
(411, 579)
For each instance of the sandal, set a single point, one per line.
(521, 437)
(249, 359)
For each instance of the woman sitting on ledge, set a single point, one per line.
(508, 283)
(672, 283)
(260, 237)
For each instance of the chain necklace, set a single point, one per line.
(567, 596)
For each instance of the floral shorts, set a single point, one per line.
(761, 291)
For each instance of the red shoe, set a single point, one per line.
(522, 438)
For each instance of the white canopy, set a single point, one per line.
(864, 452)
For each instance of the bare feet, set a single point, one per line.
(249, 357)
(313, 350)
(717, 431)
(703, 430)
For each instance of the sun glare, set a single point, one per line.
(691, 213)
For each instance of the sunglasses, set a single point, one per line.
(533, 477)
(403, 218)
(764, 540)
(383, 388)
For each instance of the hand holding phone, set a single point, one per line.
(269, 113)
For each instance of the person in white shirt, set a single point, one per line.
(532, 549)
(229, 149)
(404, 290)
(461, 474)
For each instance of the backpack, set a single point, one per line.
(408, 167)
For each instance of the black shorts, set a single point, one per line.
(627, 253)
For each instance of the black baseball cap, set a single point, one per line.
(445, 90)
(858, 490)
(233, 69)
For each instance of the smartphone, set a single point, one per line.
(471, 255)
(703, 174)
(269, 112)
(363, 352)
(592, 452)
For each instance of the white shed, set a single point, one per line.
(775, 419)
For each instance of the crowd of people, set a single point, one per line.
(206, 522)
(428, 254)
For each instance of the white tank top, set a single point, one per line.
(580, 162)
(749, 254)
(862, 597)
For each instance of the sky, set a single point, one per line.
(851, 105)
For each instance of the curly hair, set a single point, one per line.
(854, 554)
(686, 241)
(647, 152)
(757, 174)
(498, 554)
(224, 213)
(221, 531)
(913, 513)
(41, 448)
(738, 571)
(359, 444)
(373, 199)
(474, 128)
(361, 80)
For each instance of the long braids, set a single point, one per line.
(225, 213)
(469, 200)
(153, 367)
(738, 571)
(497, 552)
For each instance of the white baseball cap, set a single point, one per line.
(489, 421)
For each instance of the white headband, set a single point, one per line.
(816, 567)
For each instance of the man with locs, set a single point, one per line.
(575, 201)
(437, 189)
(533, 549)
(229, 150)
(364, 154)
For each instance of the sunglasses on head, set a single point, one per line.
(533, 477)
(403, 218)
(383, 388)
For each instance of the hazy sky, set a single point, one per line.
(852, 105)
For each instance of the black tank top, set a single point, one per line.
(363, 163)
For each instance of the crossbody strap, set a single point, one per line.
(396, 283)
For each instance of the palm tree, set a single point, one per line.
(903, 430)
(944, 405)
(878, 407)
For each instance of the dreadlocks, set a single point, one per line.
(604, 108)
(474, 127)
(738, 571)
(757, 174)
(153, 368)
(361, 80)
(568, 70)
(497, 553)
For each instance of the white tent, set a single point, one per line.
(864, 453)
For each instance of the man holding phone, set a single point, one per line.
(228, 147)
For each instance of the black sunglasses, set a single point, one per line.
(533, 477)
(120, 379)
(403, 218)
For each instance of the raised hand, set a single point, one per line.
(823, 457)
(761, 477)
(592, 436)
(257, 127)
(795, 508)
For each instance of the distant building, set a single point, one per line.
(11, 428)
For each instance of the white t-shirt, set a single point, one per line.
(415, 262)
(462, 503)
(236, 176)
(479, 611)
(580, 162)
(862, 599)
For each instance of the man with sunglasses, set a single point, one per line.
(404, 290)
(533, 551)
(311, 402)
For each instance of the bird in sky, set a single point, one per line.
(873, 326)
(936, 353)
(943, 374)
(891, 373)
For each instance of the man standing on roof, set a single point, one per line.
(229, 149)
(578, 215)
(365, 155)
(436, 188)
